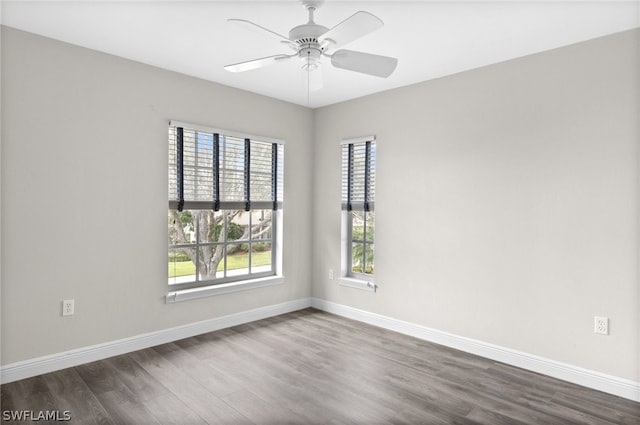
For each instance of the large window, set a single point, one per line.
(358, 195)
(225, 201)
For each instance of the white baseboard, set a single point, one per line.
(28, 368)
(577, 375)
(585, 377)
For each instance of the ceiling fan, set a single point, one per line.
(311, 42)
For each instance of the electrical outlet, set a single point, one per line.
(67, 307)
(601, 325)
(331, 274)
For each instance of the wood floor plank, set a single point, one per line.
(393, 346)
(599, 409)
(484, 416)
(138, 380)
(356, 369)
(124, 408)
(279, 382)
(311, 367)
(31, 394)
(568, 414)
(360, 366)
(100, 377)
(216, 382)
(193, 395)
(71, 394)
(167, 409)
(260, 411)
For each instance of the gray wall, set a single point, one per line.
(507, 199)
(84, 194)
(506, 203)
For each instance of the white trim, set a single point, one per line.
(25, 369)
(588, 378)
(361, 139)
(357, 284)
(585, 377)
(230, 133)
(220, 289)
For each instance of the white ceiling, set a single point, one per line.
(430, 39)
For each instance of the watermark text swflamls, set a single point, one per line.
(34, 416)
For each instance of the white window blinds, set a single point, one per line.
(358, 174)
(214, 169)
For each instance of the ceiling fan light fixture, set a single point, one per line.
(310, 58)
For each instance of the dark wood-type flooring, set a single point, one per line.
(310, 367)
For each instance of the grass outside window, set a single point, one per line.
(234, 262)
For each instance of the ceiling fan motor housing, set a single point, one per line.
(306, 37)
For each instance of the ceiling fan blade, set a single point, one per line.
(256, 63)
(357, 25)
(259, 28)
(380, 66)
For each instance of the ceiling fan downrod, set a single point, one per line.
(306, 37)
(311, 6)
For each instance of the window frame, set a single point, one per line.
(359, 280)
(179, 291)
(226, 277)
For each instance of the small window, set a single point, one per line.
(225, 202)
(358, 216)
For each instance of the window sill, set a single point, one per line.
(358, 284)
(224, 288)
